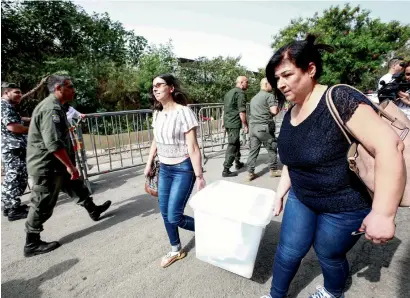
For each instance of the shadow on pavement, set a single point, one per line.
(404, 281)
(114, 180)
(264, 260)
(261, 160)
(104, 182)
(266, 169)
(142, 205)
(363, 255)
(63, 199)
(373, 258)
(262, 172)
(30, 288)
(190, 245)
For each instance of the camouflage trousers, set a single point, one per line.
(259, 134)
(15, 177)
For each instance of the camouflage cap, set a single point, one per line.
(9, 85)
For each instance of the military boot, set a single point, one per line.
(6, 211)
(228, 173)
(34, 245)
(17, 213)
(95, 211)
(239, 165)
(251, 176)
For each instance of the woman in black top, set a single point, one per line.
(326, 201)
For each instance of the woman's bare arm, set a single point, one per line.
(194, 152)
(390, 175)
(284, 183)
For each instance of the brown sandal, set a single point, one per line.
(171, 257)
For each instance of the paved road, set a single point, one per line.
(119, 256)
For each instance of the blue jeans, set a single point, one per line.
(174, 188)
(330, 234)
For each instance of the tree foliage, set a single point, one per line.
(362, 44)
(43, 37)
(156, 60)
(113, 68)
(207, 80)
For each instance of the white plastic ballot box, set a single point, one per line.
(230, 219)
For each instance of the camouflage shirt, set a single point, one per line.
(10, 140)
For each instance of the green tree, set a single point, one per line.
(112, 68)
(362, 43)
(207, 80)
(40, 37)
(155, 61)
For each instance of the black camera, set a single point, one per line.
(389, 91)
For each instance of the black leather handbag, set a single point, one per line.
(151, 182)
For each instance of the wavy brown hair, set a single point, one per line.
(178, 95)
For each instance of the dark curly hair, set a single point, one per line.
(177, 95)
(300, 53)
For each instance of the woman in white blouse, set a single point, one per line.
(176, 145)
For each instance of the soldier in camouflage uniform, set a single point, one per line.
(13, 146)
(51, 163)
(262, 109)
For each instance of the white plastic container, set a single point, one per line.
(230, 219)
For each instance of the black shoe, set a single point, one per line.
(95, 211)
(17, 213)
(239, 165)
(227, 173)
(34, 245)
(6, 212)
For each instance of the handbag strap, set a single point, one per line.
(335, 114)
(372, 104)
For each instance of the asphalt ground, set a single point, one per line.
(119, 256)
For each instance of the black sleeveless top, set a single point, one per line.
(315, 153)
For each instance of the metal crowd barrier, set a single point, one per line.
(211, 133)
(197, 106)
(114, 141)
